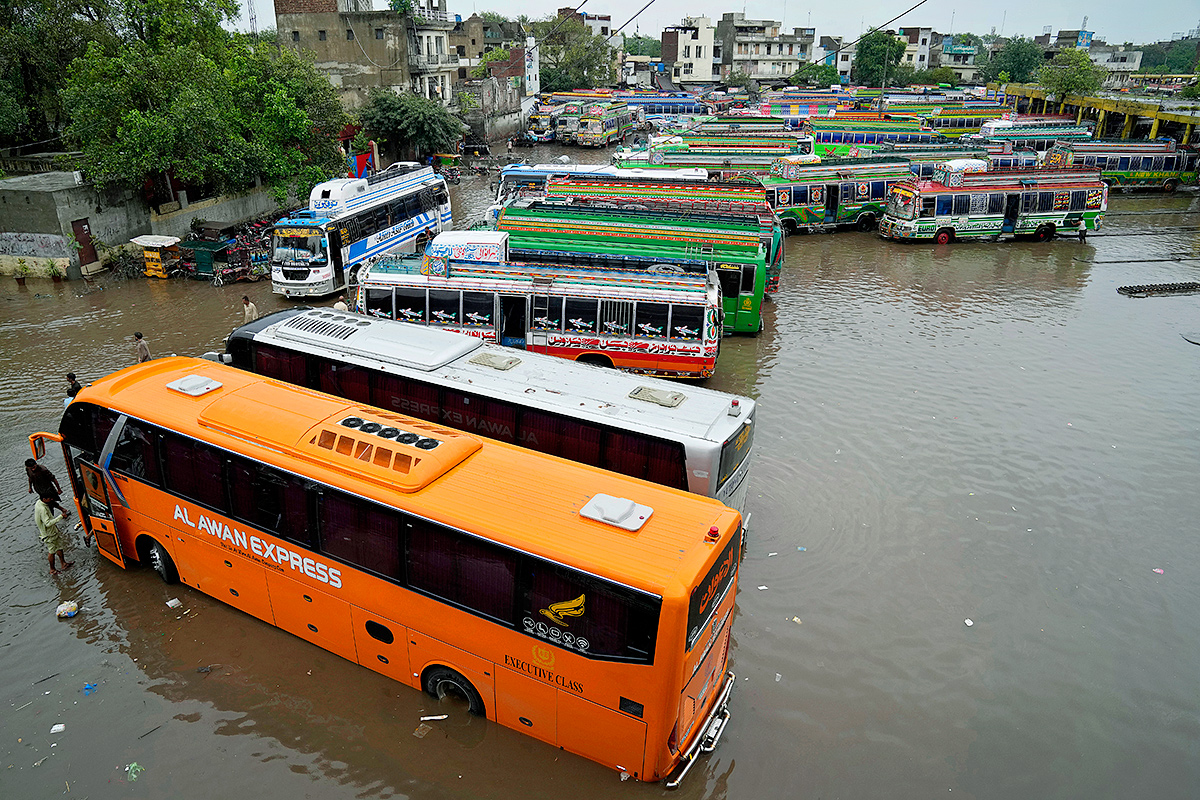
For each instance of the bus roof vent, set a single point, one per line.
(325, 324)
(495, 361)
(660, 396)
(194, 385)
(616, 511)
(381, 341)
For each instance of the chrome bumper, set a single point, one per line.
(710, 734)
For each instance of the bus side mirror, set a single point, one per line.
(39, 448)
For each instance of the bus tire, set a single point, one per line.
(866, 222)
(595, 358)
(160, 561)
(790, 227)
(442, 682)
(352, 277)
(1044, 233)
(944, 236)
(1170, 185)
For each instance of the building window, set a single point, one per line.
(604, 31)
(349, 34)
(924, 42)
(845, 58)
(687, 51)
(461, 50)
(379, 33)
(321, 36)
(920, 58)
(295, 36)
(910, 55)
(472, 42)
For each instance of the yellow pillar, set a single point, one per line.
(1154, 127)
(1187, 133)
(1128, 129)
(1100, 124)
(1062, 106)
(1079, 115)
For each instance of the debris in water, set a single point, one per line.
(624, 775)
(59, 728)
(1158, 570)
(772, 555)
(434, 716)
(801, 549)
(968, 622)
(89, 689)
(796, 620)
(778, 677)
(421, 730)
(133, 769)
(762, 588)
(67, 609)
(174, 602)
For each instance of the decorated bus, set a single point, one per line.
(602, 123)
(836, 192)
(1029, 136)
(958, 203)
(320, 249)
(1158, 163)
(665, 322)
(543, 123)
(834, 138)
(584, 608)
(676, 435)
(605, 238)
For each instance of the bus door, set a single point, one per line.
(832, 192)
(97, 511)
(334, 248)
(541, 321)
(1012, 210)
(513, 325)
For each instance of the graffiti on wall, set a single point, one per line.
(35, 245)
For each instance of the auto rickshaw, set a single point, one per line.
(449, 166)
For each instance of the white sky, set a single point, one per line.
(1113, 21)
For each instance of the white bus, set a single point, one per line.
(686, 437)
(318, 250)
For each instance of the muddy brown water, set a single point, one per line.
(974, 431)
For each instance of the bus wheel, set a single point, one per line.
(598, 360)
(352, 277)
(1170, 185)
(944, 236)
(1044, 233)
(160, 562)
(866, 222)
(443, 682)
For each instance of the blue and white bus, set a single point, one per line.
(318, 251)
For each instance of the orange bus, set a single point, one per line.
(588, 609)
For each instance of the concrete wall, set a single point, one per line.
(226, 208)
(348, 62)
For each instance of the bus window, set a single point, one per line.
(962, 204)
(945, 205)
(1123, 164)
(1078, 201)
(406, 397)
(1146, 163)
(1045, 201)
(465, 571)
(799, 195)
(344, 380)
(581, 315)
(581, 442)
(491, 418)
(360, 533)
(667, 464)
(444, 307)
(1157, 165)
(552, 320)
(626, 453)
(837, 137)
(878, 190)
(274, 362)
(86, 427)
(269, 499)
(134, 454)
(410, 304)
(651, 321)
(614, 623)
(616, 317)
(193, 470)
(687, 322)
(748, 272)
(1028, 202)
(478, 309)
(995, 203)
(730, 279)
(379, 303)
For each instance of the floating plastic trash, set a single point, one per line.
(67, 609)
(59, 728)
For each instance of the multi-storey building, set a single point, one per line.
(758, 48)
(688, 47)
(831, 52)
(958, 57)
(917, 42)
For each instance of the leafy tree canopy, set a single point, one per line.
(639, 45)
(571, 57)
(499, 54)
(876, 53)
(1020, 58)
(412, 123)
(817, 75)
(1071, 72)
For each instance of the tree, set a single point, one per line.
(903, 74)
(643, 46)
(737, 80)
(493, 16)
(1020, 58)
(1071, 72)
(877, 52)
(499, 54)
(571, 57)
(410, 122)
(816, 75)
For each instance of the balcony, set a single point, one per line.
(438, 62)
(425, 18)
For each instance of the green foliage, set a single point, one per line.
(1190, 92)
(361, 143)
(935, 77)
(877, 52)
(23, 268)
(52, 268)
(1020, 58)
(1071, 72)
(737, 80)
(493, 16)
(1003, 77)
(1173, 58)
(481, 71)
(402, 7)
(639, 45)
(571, 57)
(816, 75)
(421, 125)
(141, 111)
(903, 74)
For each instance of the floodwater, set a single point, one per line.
(969, 431)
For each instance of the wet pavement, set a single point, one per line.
(969, 431)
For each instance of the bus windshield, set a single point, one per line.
(902, 204)
(305, 245)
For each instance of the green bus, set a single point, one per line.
(1157, 163)
(836, 192)
(834, 138)
(950, 121)
(541, 231)
(602, 123)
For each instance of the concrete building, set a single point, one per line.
(1120, 63)
(917, 42)
(958, 57)
(758, 48)
(688, 48)
(359, 49)
(639, 71)
(828, 53)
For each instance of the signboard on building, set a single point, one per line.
(533, 78)
(1084, 41)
